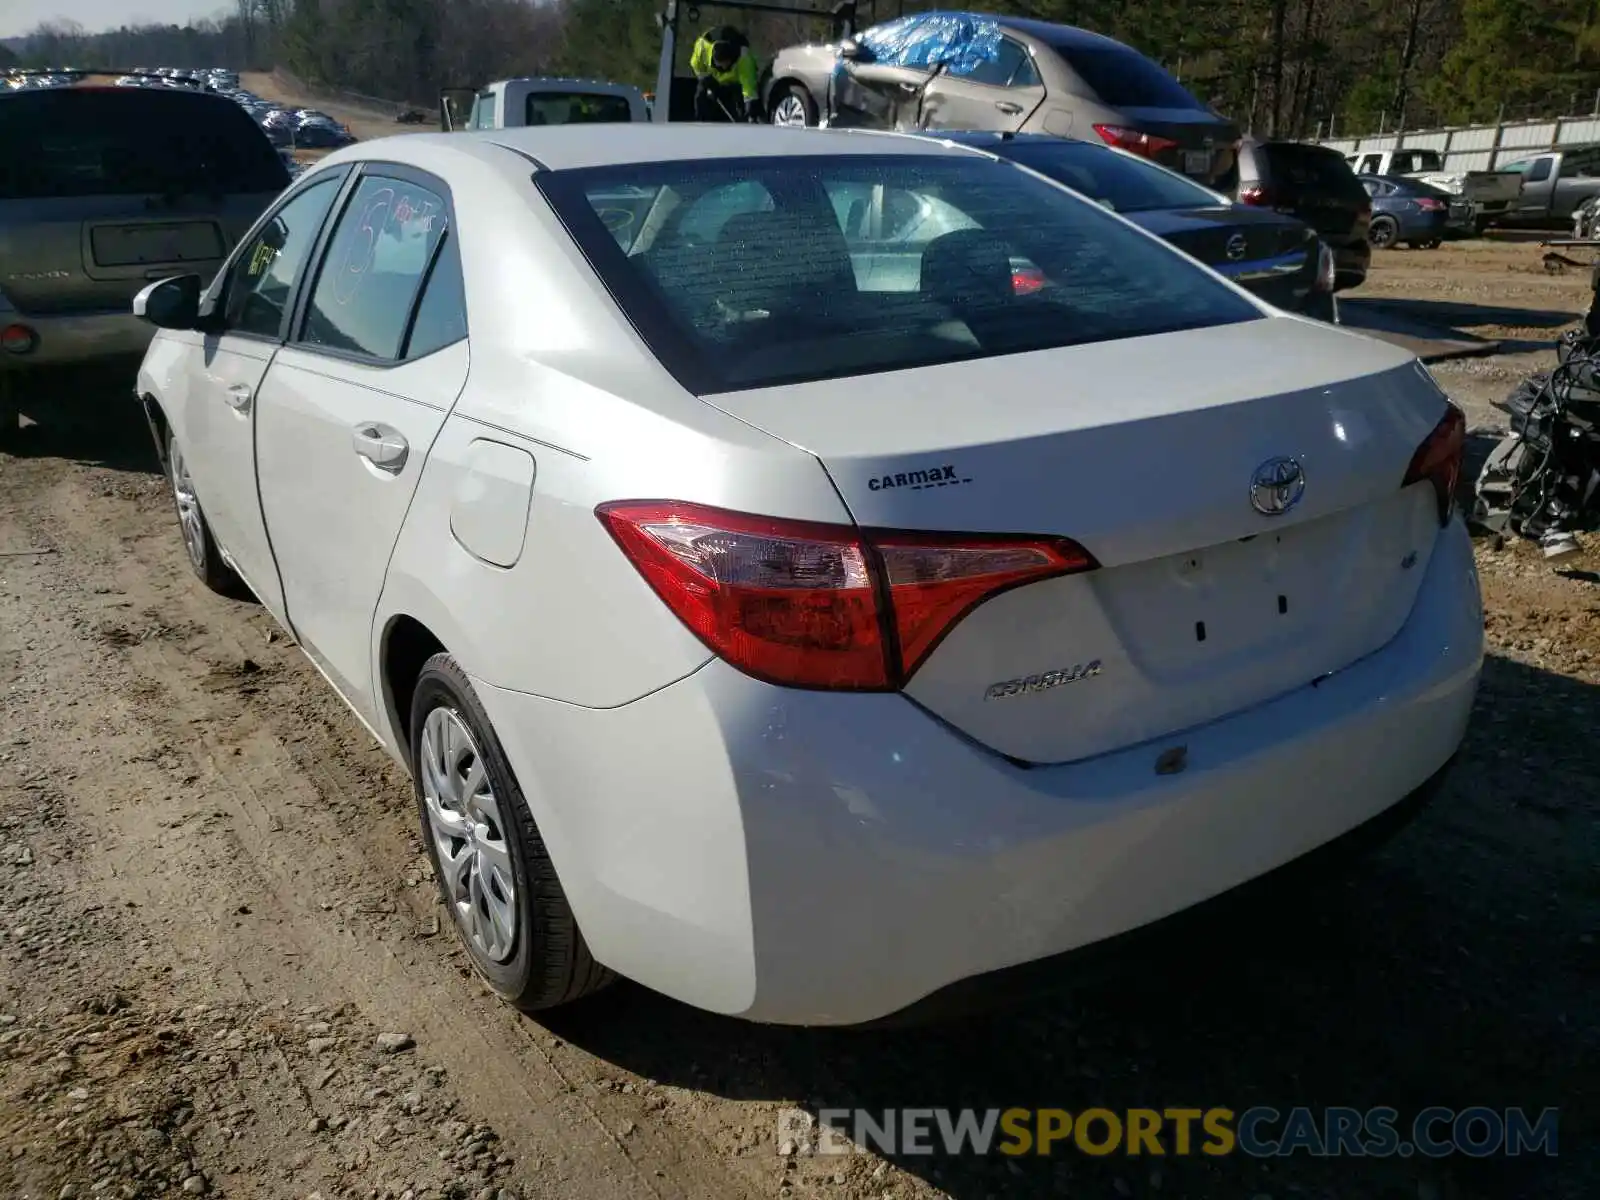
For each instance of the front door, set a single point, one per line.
(999, 91)
(350, 407)
(215, 408)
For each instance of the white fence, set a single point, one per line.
(1481, 147)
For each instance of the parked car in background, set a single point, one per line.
(1488, 196)
(1410, 212)
(1277, 257)
(869, 662)
(541, 100)
(102, 190)
(943, 70)
(1554, 185)
(1317, 186)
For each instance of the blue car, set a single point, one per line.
(1407, 210)
(1275, 256)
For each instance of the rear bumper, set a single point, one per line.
(78, 338)
(1351, 261)
(811, 858)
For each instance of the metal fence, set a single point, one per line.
(1481, 147)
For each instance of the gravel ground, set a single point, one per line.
(222, 971)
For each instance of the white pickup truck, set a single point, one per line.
(541, 100)
(1493, 194)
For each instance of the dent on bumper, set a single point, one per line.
(807, 858)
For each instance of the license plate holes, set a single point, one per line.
(139, 245)
(1197, 162)
(1201, 633)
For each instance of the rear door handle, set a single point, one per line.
(239, 395)
(1008, 107)
(381, 446)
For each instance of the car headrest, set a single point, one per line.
(788, 254)
(966, 267)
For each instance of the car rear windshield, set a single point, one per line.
(1120, 182)
(1124, 78)
(1312, 168)
(69, 142)
(577, 108)
(745, 273)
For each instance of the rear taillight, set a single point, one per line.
(1438, 460)
(18, 339)
(822, 606)
(1255, 195)
(1026, 280)
(1134, 140)
(1429, 204)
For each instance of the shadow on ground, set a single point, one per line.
(1447, 323)
(84, 416)
(1454, 967)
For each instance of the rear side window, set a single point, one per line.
(70, 142)
(577, 108)
(1125, 78)
(376, 261)
(1311, 168)
(441, 318)
(848, 265)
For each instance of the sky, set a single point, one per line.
(21, 16)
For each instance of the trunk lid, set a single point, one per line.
(1143, 452)
(1206, 143)
(1318, 186)
(1271, 255)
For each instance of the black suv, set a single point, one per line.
(1316, 185)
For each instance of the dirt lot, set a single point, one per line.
(222, 970)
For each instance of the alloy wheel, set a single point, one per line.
(189, 517)
(469, 835)
(791, 110)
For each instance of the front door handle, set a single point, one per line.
(1008, 107)
(239, 395)
(381, 446)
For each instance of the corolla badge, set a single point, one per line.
(1042, 682)
(1236, 247)
(1277, 486)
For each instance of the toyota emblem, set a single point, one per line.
(1277, 486)
(1236, 247)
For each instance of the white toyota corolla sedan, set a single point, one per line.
(810, 573)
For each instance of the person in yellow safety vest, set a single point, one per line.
(726, 87)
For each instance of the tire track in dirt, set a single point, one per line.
(251, 789)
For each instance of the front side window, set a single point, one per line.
(379, 254)
(808, 287)
(263, 277)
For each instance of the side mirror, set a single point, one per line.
(851, 49)
(170, 303)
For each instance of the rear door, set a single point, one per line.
(350, 408)
(999, 92)
(104, 189)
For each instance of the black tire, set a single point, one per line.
(1383, 232)
(200, 546)
(787, 91)
(10, 412)
(549, 963)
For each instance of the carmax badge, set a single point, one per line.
(1041, 683)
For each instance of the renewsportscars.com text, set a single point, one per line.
(1260, 1132)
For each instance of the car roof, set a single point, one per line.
(569, 147)
(1069, 36)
